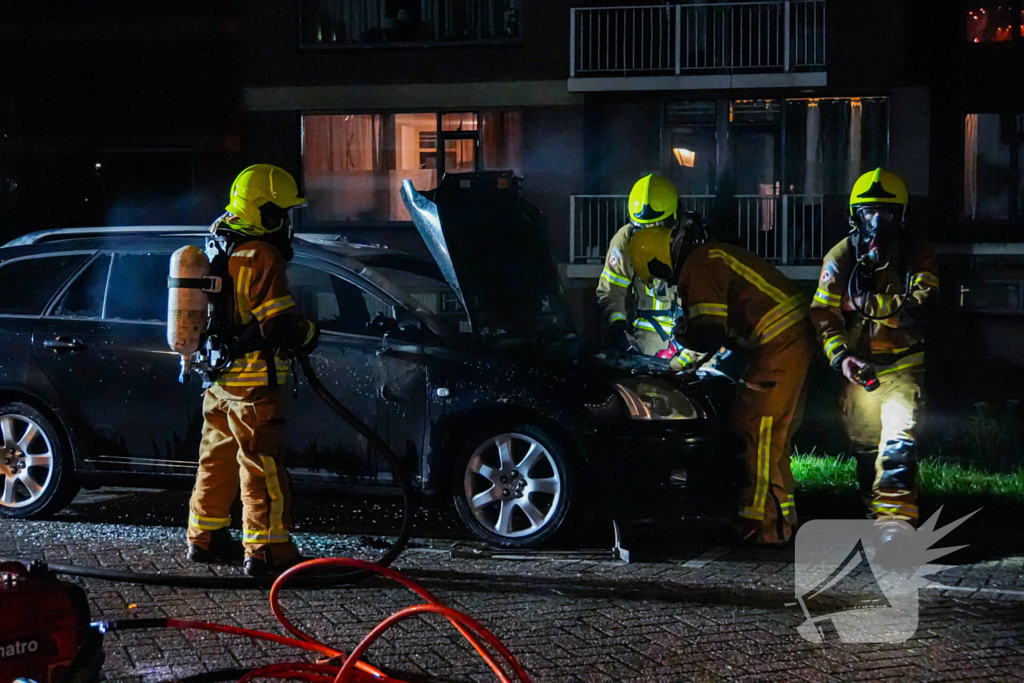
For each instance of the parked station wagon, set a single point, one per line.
(466, 364)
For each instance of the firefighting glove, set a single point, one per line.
(679, 331)
(622, 339)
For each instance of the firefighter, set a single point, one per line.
(872, 287)
(647, 329)
(243, 414)
(735, 299)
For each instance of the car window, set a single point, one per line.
(432, 293)
(138, 288)
(333, 303)
(84, 298)
(26, 285)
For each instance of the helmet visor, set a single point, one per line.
(289, 224)
(878, 219)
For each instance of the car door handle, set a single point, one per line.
(390, 395)
(64, 344)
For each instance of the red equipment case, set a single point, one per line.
(45, 634)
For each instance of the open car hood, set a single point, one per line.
(492, 249)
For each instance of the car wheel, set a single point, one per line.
(36, 477)
(513, 487)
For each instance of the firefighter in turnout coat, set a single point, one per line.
(640, 318)
(243, 410)
(870, 292)
(735, 299)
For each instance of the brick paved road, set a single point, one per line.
(708, 612)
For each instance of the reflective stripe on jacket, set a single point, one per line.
(618, 283)
(725, 285)
(257, 270)
(893, 343)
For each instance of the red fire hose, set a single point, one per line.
(336, 666)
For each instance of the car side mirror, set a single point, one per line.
(406, 320)
(382, 326)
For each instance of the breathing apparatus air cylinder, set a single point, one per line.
(189, 286)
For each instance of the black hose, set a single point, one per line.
(204, 581)
(382, 447)
(216, 676)
(309, 581)
(133, 624)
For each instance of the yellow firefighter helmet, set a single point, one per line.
(653, 200)
(259, 185)
(878, 187)
(650, 249)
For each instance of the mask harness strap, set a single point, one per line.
(853, 286)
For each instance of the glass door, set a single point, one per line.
(756, 157)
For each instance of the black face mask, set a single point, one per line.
(688, 234)
(273, 217)
(279, 221)
(282, 241)
(876, 227)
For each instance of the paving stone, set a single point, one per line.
(576, 620)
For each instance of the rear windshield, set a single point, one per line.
(26, 285)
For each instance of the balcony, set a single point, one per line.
(787, 230)
(704, 46)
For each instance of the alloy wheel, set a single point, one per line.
(26, 461)
(513, 486)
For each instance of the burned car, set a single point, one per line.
(466, 364)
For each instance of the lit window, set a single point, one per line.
(990, 23)
(354, 164)
(684, 157)
(987, 169)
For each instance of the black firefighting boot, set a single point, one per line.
(263, 564)
(222, 548)
(894, 549)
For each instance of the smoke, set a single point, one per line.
(155, 209)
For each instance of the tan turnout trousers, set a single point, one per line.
(241, 449)
(768, 412)
(883, 428)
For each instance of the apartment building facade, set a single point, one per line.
(761, 112)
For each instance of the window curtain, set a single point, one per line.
(355, 18)
(501, 140)
(344, 158)
(428, 12)
(340, 144)
(971, 166)
(812, 173)
(831, 142)
(854, 153)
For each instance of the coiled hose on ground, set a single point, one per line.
(335, 665)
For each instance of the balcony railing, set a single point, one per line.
(786, 229)
(782, 35)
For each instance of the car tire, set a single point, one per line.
(501, 503)
(36, 473)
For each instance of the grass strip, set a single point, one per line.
(940, 477)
